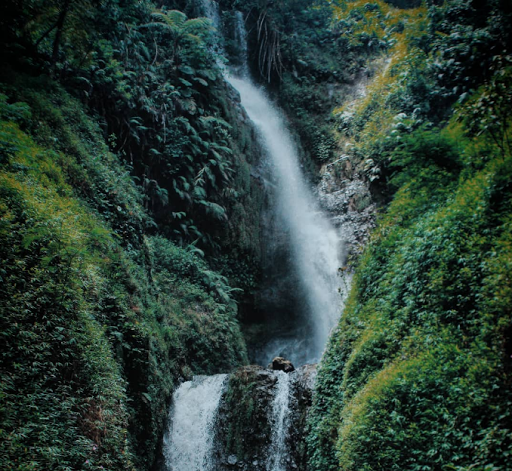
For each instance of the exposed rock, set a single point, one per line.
(242, 428)
(344, 192)
(281, 364)
(243, 431)
(303, 382)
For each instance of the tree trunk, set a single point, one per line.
(60, 27)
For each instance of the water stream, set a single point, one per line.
(279, 423)
(315, 244)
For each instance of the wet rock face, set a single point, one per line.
(344, 192)
(303, 382)
(244, 428)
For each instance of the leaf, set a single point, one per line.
(215, 210)
(185, 82)
(201, 81)
(187, 70)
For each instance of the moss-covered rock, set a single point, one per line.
(245, 436)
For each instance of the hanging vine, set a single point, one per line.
(269, 48)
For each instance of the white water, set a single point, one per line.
(189, 441)
(279, 423)
(316, 246)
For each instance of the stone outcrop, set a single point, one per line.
(344, 192)
(244, 428)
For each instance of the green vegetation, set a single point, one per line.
(417, 375)
(124, 187)
(98, 320)
(129, 236)
(150, 77)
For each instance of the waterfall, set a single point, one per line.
(189, 440)
(279, 423)
(316, 246)
(211, 10)
(240, 36)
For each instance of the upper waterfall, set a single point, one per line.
(315, 245)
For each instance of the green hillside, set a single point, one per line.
(417, 374)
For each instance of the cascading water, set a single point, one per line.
(188, 443)
(315, 244)
(241, 40)
(211, 10)
(279, 423)
(316, 247)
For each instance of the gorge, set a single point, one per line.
(315, 250)
(258, 235)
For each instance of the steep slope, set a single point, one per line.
(126, 202)
(417, 375)
(99, 318)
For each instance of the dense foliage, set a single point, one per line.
(417, 375)
(129, 228)
(98, 320)
(125, 190)
(151, 77)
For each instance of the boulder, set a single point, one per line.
(243, 429)
(281, 364)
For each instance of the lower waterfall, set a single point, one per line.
(189, 441)
(279, 423)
